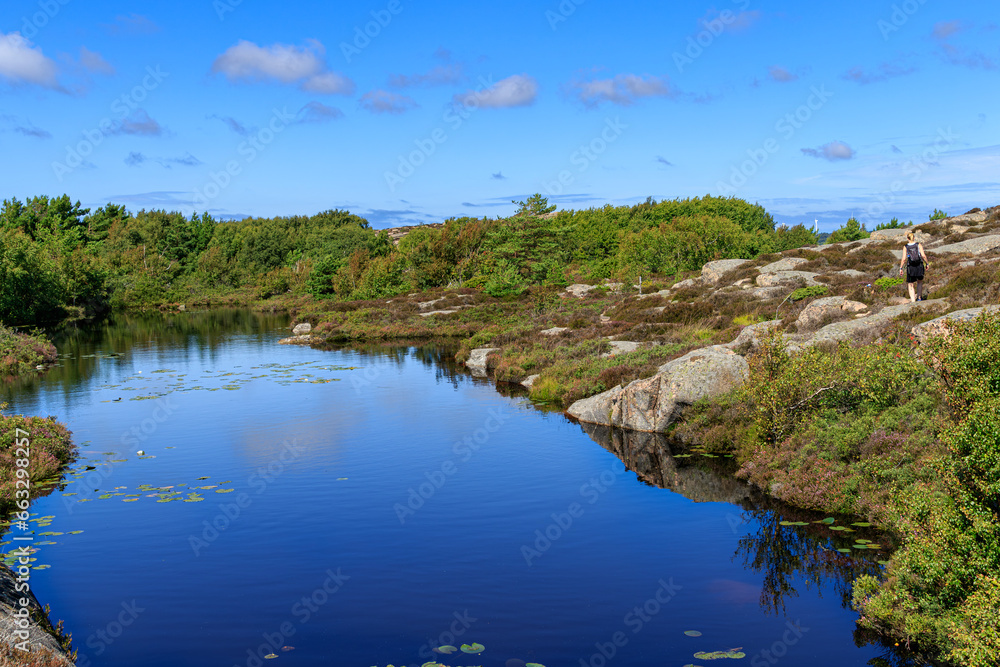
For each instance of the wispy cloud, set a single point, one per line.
(317, 112)
(94, 62)
(960, 55)
(833, 151)
(382, 101)
(781, 74)
(136, 159)
(515, 91)
(234, 125)
(439, 75)
(622, 89)
(139, 123)
(246, 62)
(133, 24)
(499, 176)
(883, 72)
(664, 161)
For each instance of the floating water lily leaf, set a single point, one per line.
(473, 648)
(41, 567)
(839, 528)
(534, 664)
(788, 523)
(224, 490)
(75, 532)
(692, 633)
(270, 656)
(734, 653)
(859, 541)
(130, 500)
(682, 456)
(105, 495)
(286, 649)
(432, 664)
(49, 533)
(201, 478)
(882, 562)
(828, 521)
(874, 546)
(861, 524)
(800, 523)
(859, 546)
(447, 649)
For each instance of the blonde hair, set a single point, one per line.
(910, 237)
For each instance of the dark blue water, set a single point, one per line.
(378, 503)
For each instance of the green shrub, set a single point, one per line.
(888, 282)
(809, 292)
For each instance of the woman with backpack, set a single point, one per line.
(915, 261)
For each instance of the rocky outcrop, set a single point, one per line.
(786, 264)
(302, 329)
(654, 403)
(899, 235)
(852, 330)
(296, 340)
(621, 347)
(477, 360)
(812, 316)
(554, 331)
(37, 639)
(940, 326)
(579, 290)
(752, 334)
(712, 272)
(776, 278)
(975, 246)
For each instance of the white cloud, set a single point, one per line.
(833, 151)
(22, 62)
(141, 124)
(381, 101)
(623, 89)
(883, 72)
(945, 29)
(514, 91)
(248, 62)
(133, 24)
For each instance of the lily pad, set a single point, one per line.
(859, 541)
(692, 633)
(473, 648)
(534, 664)
(734, 653)
(861, 524)
(447, 649)
(828, 521)
(224, 490)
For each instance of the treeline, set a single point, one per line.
(56, 257)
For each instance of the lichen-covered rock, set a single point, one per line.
(786, 264)
(596, 409)
(654, 403)
(940, 326)
(713, 271)
(621, 347)
(752, 335)
(38, 640)
(529, 381)
(296, 340)
(976, 246)
(580, 290)
(554, 331)
(302, 329)
(814, 314)
(776, 278)
(477, 360)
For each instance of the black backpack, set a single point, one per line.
(913, 257)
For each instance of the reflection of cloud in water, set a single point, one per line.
(734, 592)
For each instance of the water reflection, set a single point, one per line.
(786, 556)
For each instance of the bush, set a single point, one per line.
(808, 292)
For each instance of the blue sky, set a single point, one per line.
(408, 112)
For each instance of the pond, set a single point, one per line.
(293, 506)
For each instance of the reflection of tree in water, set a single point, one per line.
(786, 556)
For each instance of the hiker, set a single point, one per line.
(914, 261)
